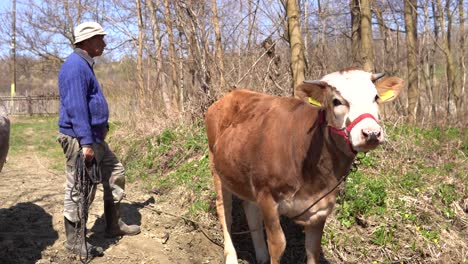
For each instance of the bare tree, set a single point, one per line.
(295, 41)
(42, 22)
(160, 80)
(367, 43)
(460, 92)
(193, 21)
(427, 53)
(172, 55)
(450, 67)
(13, 57)
(355, 31)
(178, 53)
(411, 42)
(385, 33)
(218, 43)
(141, 86)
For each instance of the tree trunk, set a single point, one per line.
(141, 86)
(321, 42)
(218, 43)
(384, 34)
(13, 50)
(367, 44)
(160, 80)
(295, 41)
(355, 32)
(197, 40)
(252, 22)
(450, 67)
(170, 35)
(460, 92)
(428, 49)
(307, 38)
(437, 91)
(412, 63)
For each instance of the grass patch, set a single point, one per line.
(38, 134)
(176, 157)
(411, 182)
(383, 235)
(364, 196)
(406, 197)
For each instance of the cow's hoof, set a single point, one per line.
(230, 259)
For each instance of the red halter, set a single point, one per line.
(344, 132)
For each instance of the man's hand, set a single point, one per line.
(88, 153)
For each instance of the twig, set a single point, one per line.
(209, 238)
(197, 224)
(255, 63)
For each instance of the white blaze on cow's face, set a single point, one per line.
(350, 99)
(356, 95)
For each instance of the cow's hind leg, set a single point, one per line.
(313, 238)
(255, 221)
(271, 217)
(224, 208)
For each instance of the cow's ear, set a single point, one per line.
(312, 92)
(389, 88)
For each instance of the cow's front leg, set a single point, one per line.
(275, 235)
(313, 238)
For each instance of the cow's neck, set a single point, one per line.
(327, 155)
(341, 156)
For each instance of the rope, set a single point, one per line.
(343, 179)
(87, 176)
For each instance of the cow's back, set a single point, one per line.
(225, 111)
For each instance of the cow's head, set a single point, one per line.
(351, 101)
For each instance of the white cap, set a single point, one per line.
(87, 30)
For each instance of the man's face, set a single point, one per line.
(95, 46)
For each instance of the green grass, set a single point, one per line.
(404, 198)
(39, 133)
(364, 196)
(383, 235)
(176, 157)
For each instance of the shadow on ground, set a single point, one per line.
(294, 252)
(129, 214)
(25, 231)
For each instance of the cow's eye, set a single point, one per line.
(336, 102)
(376, 98)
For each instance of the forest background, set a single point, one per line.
(170, 59)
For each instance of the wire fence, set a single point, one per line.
(31, 105)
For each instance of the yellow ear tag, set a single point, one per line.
(314, 102)
(387, 95)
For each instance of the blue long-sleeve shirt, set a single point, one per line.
(84, 112)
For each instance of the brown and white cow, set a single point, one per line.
(281, 154)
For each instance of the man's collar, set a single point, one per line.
(85, 56)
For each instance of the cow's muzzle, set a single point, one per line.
(371, 137)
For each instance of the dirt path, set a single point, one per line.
(31, 221)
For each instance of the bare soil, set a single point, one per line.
(32, 229)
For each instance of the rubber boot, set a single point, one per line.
(114, 225)
(71, 244)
